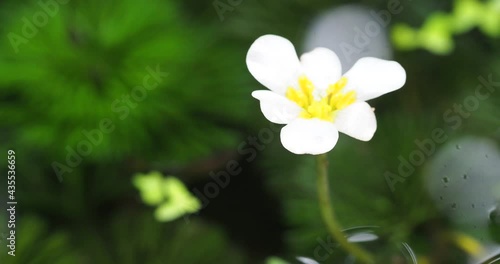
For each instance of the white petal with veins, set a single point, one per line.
(272, 60)
(357, 121)
(309, 136)
(372, 77)
(322, 67)
(276, 108)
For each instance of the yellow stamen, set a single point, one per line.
(345, 100)
(295, 96)
(468, 244)
(338, 86)
(325, 107)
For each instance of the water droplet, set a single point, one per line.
(362, 237)
(306, 260)
(369, 237)
(454, 206)
(446, 179)
(458, 146)
(495, 216)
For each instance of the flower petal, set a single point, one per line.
(272, 60)
(372, 77)
(322, 67)
(276, 108)
(357, 121)
(309, 136)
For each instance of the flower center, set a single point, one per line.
(324, 107)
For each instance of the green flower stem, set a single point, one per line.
(328, 214)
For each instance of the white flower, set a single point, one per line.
(312, 97)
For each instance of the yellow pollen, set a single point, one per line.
(324, 107)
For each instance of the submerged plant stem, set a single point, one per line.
(328, 214)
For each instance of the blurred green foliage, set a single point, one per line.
(436, 35)
(72, 74)
(119, 243)
(169, 194)
(76, 70)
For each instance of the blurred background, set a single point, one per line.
(137, 141)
